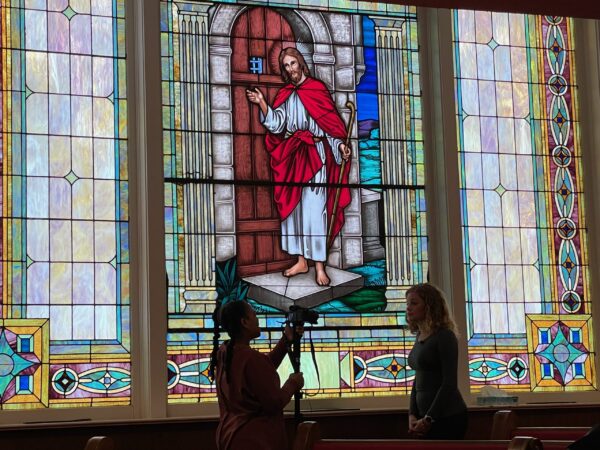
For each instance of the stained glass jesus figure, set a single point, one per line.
(306, 145)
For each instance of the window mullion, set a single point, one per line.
(446, 265)
(150, 325)
(587, 37)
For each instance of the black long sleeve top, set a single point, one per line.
(435, 392)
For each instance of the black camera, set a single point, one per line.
(298, 315)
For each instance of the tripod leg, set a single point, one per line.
(296, 365)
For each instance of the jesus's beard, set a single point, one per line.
(296, 76)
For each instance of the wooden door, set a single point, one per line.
(258, 36)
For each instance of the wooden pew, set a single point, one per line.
(556, 445)
(308, 438)
(100, 443)
(552, 433)
(504, 426)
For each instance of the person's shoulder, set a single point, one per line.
(238, 349)
(254, 360)
(446, 333)
(250, 353)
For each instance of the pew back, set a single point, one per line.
(100, 443)
(308, 438)
(410, 444)
(551, 433)
(556, 445)
(505, 426)
(505, 421)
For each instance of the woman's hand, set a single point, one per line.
(289, 332)
(421, 427)
(412, 423)
(297, 379)
(418, 427)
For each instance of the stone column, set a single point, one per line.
(372, 248)
(346, 250)
(196, 194)
(394, 156)
(221, 107)
(359, 59)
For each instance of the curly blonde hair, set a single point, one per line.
(437, 314)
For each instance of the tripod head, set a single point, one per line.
(298, 316)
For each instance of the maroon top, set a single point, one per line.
(251, 405)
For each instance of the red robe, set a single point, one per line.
(295, 160)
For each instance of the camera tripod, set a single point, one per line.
(294, 355)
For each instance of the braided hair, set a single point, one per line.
(216, 335)
(230, 319)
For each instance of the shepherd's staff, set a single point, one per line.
(352, 109)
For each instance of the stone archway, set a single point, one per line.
(339, 75)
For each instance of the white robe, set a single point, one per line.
(304, 231)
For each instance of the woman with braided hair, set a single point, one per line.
(251, 398)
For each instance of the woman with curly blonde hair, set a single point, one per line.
(437, 409)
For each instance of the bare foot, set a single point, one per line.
(322, 279)
(300, 267)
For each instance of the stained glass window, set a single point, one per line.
(225, 194)
(523, 214)
(64, 315)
